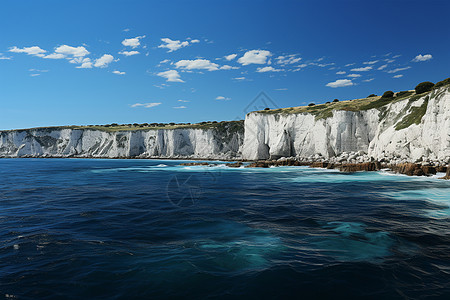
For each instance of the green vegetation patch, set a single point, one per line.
(414, 117)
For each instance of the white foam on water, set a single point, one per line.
(439, 196)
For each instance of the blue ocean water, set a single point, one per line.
(131, 229)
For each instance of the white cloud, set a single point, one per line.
(2, 57)
(197, 64)
(348, 65)
(341, 73)
(227, 67)
(288, 59)
(398, 76)
(85, 63)
(222, 98)
(146, 105)
(398, 70)
(180, 107)
(133, 42)
(34, 75)
(119, 73)
(195, 41)
(37, 70)
(71, 51)
(363, 69)
(173, 45)
(164, 61)
(126, 30)
(268, 69)
(382, 67)
(255, 57)
(34, 50)
(184, 101)
(396, 56)
(370, 62)
(282, 89)
(368, 80)
(55, 56)
(421, 57)
(129, 53)
(103, 61)
(340, 83)
(230, 57)
(354, 75)
(171, 76)
(239, 78)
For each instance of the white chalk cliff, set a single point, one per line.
(163, 143)
(376, 131)
(411, 129)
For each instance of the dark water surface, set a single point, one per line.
(130, 229)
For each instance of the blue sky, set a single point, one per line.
(98, 62)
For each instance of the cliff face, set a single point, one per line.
(388, 132)
(276, 135)
(163, 143)
(406, 129)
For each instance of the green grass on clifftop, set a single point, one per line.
(219, 126)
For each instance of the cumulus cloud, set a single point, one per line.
(370, 62)
(34, 50)
(255, 57)
(195, 41)
(421, 57)
(2, 57)
(398, 70)
(398, 76)
(86, 63)
(382, 67)
(230, 57)
(55, 56)
(222, 98)
(197, 64)
(227, 67)
(288, 59)
(173, 45)
(340, 83)
(363, 69)
(354, 75)
(133, 42)
(119, 73)
(68, 51)
(129, 53)
(268, 69)
(146, 105)
(103, 61)
(171, 76)
(341, 73)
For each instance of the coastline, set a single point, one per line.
(425, 169)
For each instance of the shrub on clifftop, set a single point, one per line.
(424, 87)
(388, 94)
(442, 83)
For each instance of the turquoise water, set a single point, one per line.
(114, 229)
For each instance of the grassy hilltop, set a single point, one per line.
(323, 111)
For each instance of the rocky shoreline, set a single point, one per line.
(352, 164)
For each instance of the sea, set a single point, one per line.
(152, 229)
